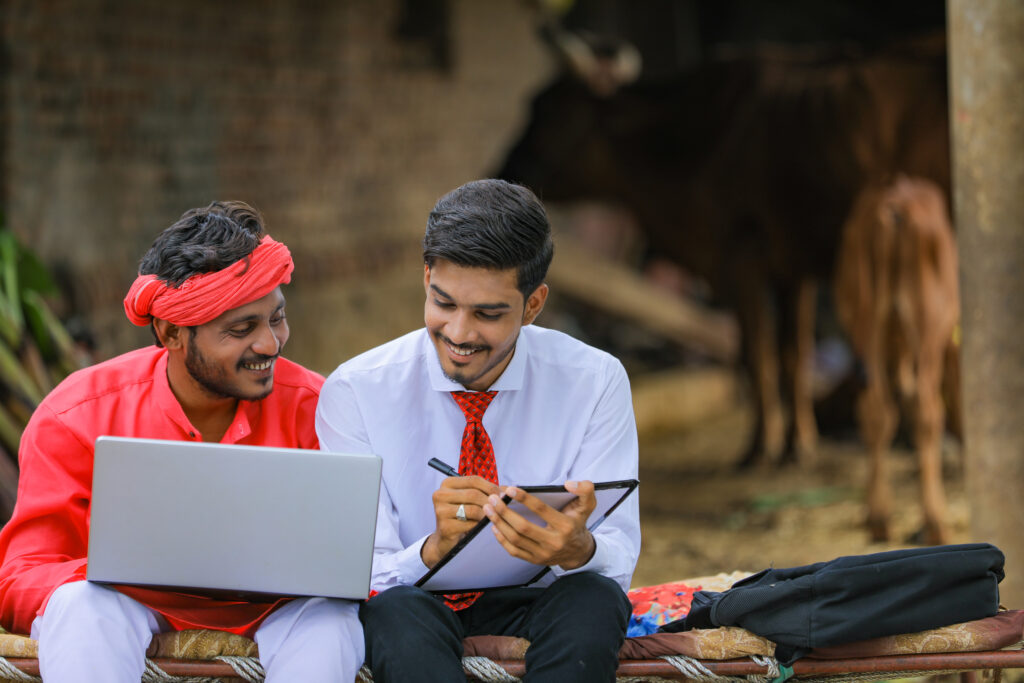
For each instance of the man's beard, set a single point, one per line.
(212, 377)
(463, 378)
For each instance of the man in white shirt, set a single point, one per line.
(517, 404)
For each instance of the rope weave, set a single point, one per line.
(247, 668)
(12, 673)
(486, 670)
(154, 674)
(696, 671)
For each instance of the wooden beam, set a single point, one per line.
(620, 291)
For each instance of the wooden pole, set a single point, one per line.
(987, 114)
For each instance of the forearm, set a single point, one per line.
(45, 543)
(25, 585)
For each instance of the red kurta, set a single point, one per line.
(45, 543)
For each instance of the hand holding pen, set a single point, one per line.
(458, 505)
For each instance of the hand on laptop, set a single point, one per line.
(467, 495)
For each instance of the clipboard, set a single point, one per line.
(479, 562)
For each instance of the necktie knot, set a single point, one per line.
(474, 403)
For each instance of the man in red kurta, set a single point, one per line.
(210, 287)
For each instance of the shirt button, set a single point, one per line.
(192, 435)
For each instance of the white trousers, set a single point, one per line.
(90, 633)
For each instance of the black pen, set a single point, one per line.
(443, 468)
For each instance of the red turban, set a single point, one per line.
(203, 297)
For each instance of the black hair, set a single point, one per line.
(492, 224)
(204, 240)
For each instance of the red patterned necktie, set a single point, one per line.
(476, 457)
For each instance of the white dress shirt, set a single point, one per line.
(563, 412)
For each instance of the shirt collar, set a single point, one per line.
(509, 380)
(246, 414)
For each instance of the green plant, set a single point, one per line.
(36, 350)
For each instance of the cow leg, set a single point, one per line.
(951, 391)
(760, 344)
(928, 426)
(877, 414)
(798, 366)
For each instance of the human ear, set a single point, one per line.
(170, 335)
(535, 304)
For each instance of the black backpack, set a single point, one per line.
(856, 597)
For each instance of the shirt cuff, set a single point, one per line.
(409, 563)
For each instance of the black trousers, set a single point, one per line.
(575, 627)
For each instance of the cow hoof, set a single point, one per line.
(800, 456)
(879, 529)
(937, 538)
(751, 458)
(757, 460)
(757, 456)
(928, 535)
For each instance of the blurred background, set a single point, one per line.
(699, 160)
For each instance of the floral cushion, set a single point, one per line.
(655, 606)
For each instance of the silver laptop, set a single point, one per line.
(232, 521)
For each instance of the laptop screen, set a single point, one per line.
(232, 520)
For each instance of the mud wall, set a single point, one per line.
(118, 116)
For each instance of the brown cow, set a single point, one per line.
(897, 297)
(743, 171)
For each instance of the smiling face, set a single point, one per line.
(233, 355)
(473, 316)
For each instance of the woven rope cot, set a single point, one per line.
(724, 654)
(670, 668)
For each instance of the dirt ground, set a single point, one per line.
(701, 516)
